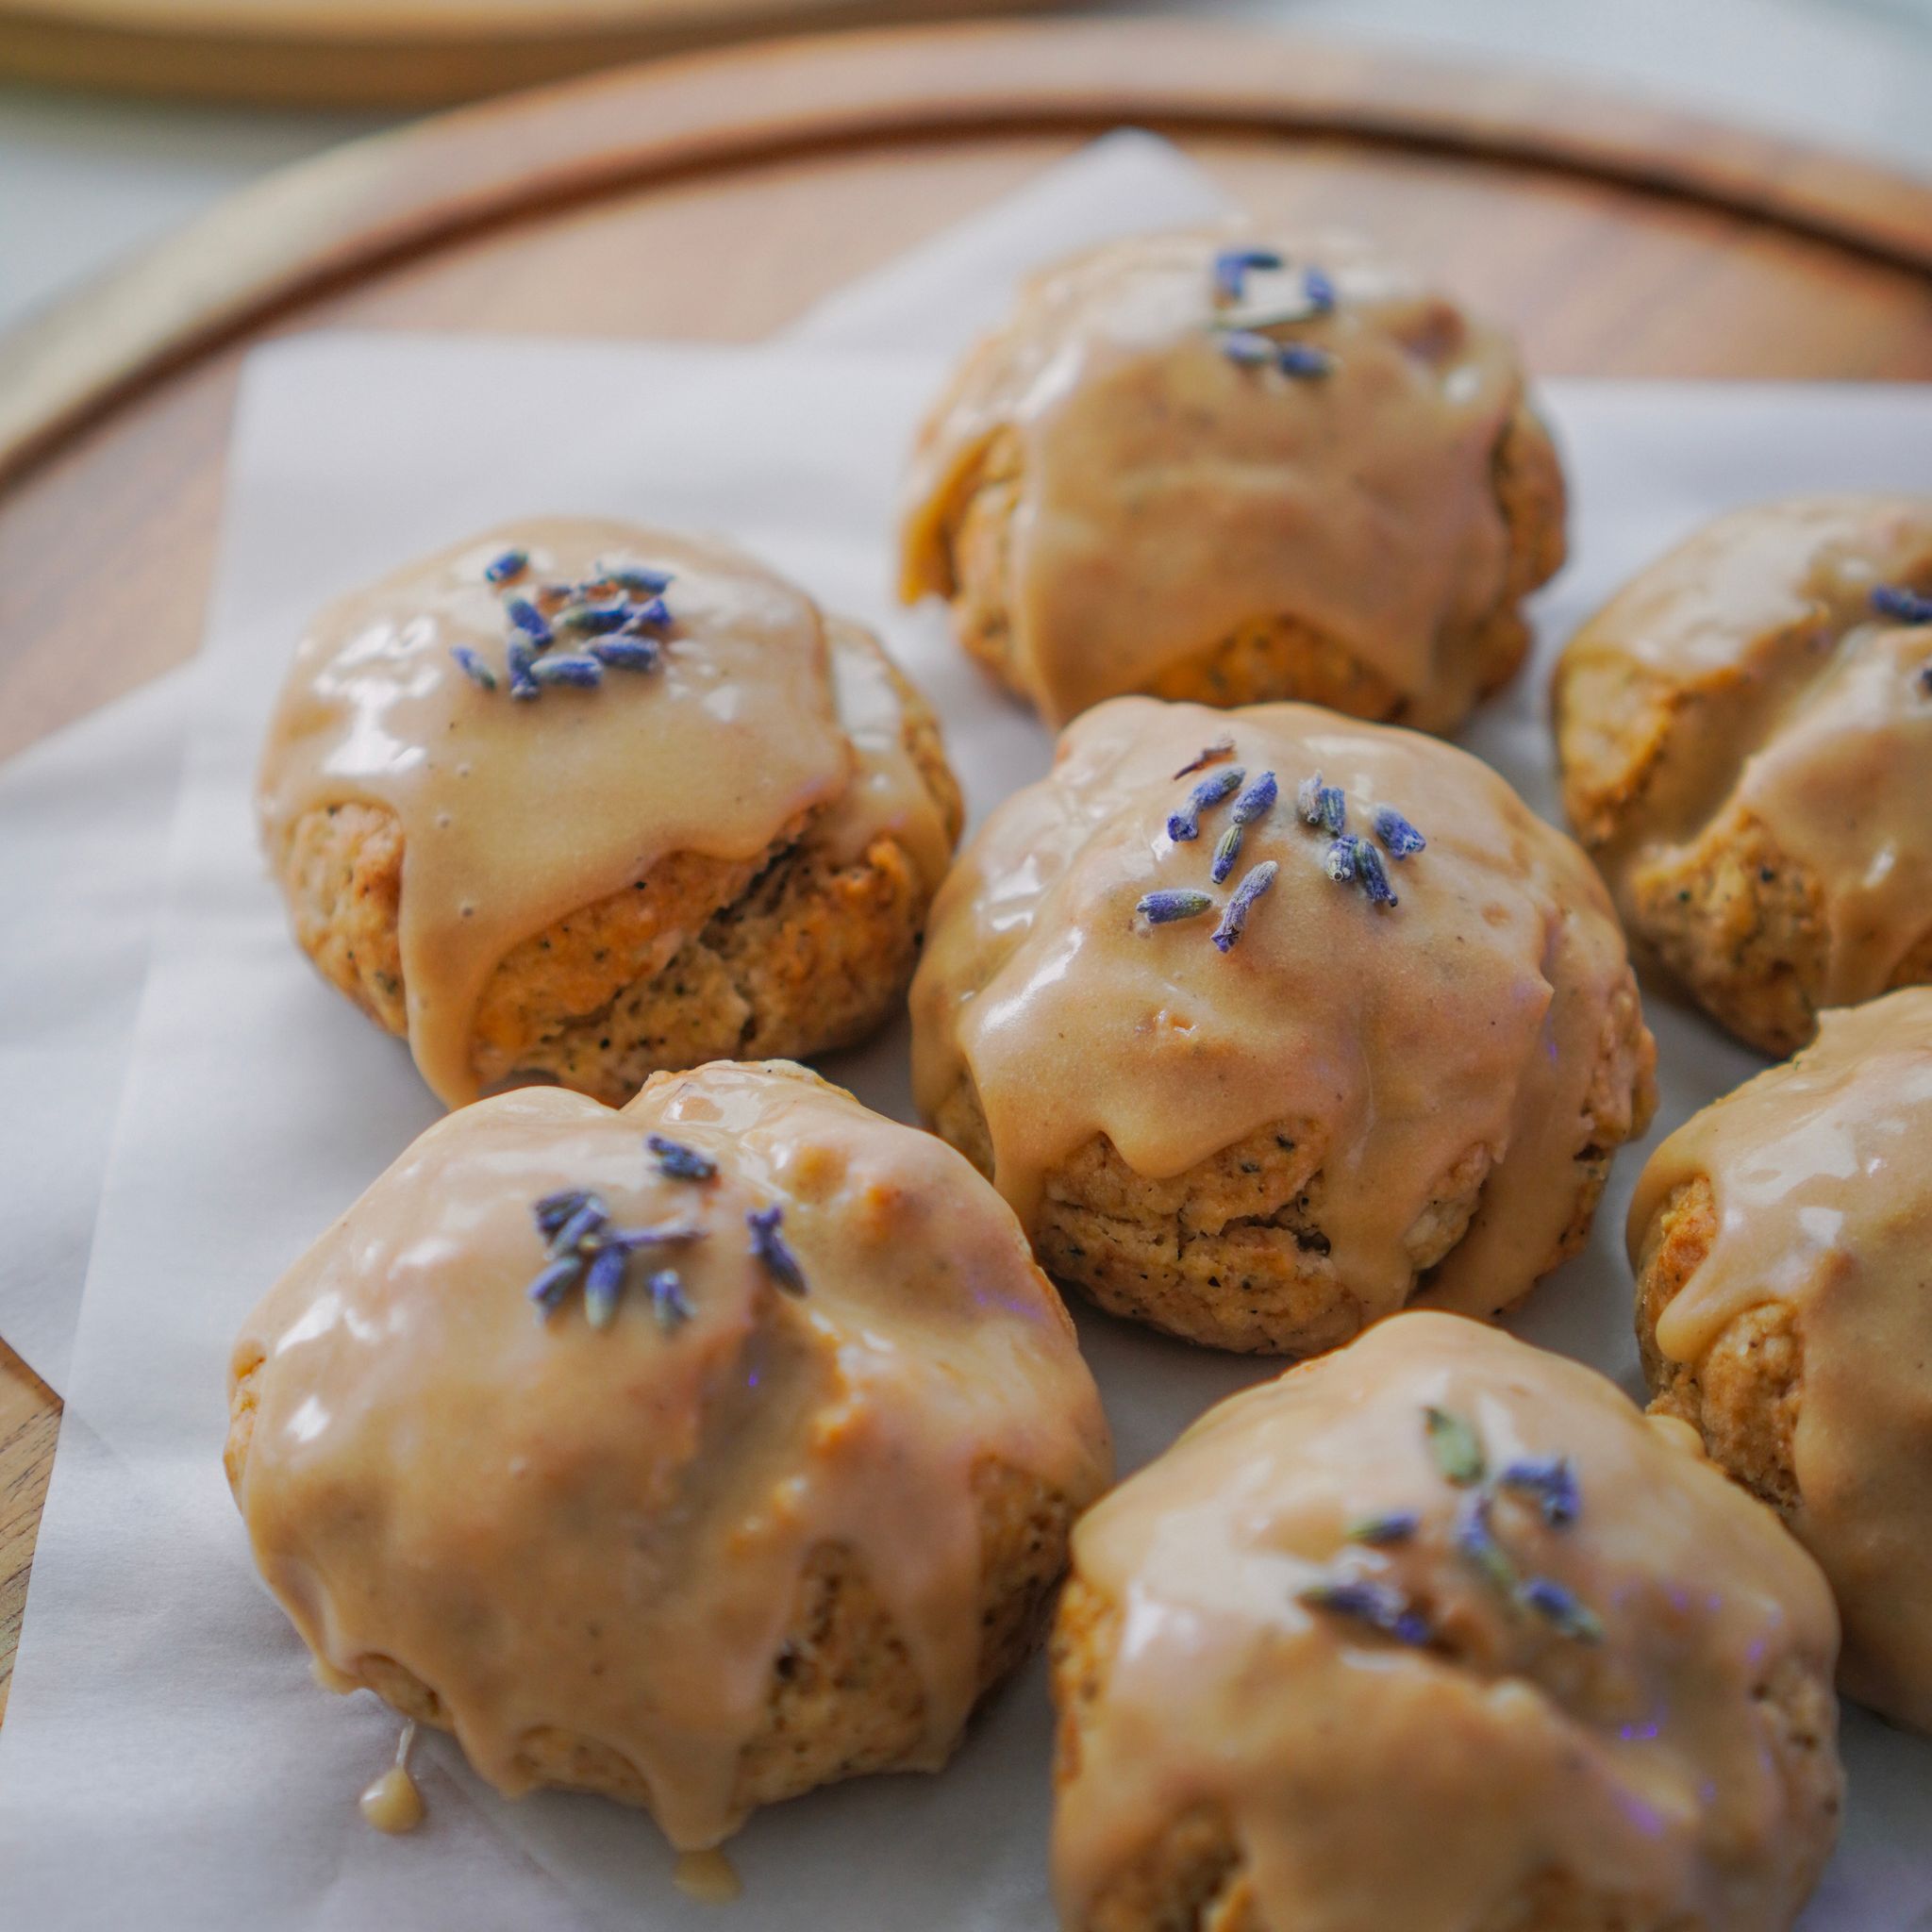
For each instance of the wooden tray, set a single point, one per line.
(1619, 240)
(390, 53)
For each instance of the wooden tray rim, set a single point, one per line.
(309, 227)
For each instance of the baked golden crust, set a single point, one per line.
(1116, 494)
(1232, 1254)
(1743, 746)
(1276, 655)
(797, 952)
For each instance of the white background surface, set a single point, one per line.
(84, 181)
(162, 1706)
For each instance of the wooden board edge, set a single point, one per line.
(30, 1427)
(390, 195)
(397, 59)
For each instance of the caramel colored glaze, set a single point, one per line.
(600, 1533)
(1468, 1017)
(1795, 704)
(1169, 495)
(516, 814)
(1374, 1784)
(1820, 1171)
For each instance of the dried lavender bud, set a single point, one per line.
(1304, 360)
(1369, 870)
(591, 1218)
(1163, 908)
(554, 1283)
(677, 1162)
(1391, 1527)
(584, 673)
(668, 1301)
(1380, 1606)
(1397, 834)
(1901, 605)
(636, 578)
(474, 667)
(1231, 268)
(1321, 805)
(1228, 849)
(657, 612)
(1338, 863)
(1476, 1540)
(1210, 753)
(587, 619)
(521, 660)
(603, 1284)
(769, 1245)
(553, 1211)
(1255, 803)
(625, 654)
(1234, 918)
(1552, 1481)
(1186, 823)
(1455, 1447)
(530, 621)
(1246, 348)
(505, 565)
(1561, 1609)
(1319, 291)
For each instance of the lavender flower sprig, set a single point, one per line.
(771, 1249)
(1257, 801)
(1184, 823)
(1234, 917)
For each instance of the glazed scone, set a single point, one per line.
(1784, 1310)
(774, 1483)
(1227, 467)
(1440, 1634)
(1746, 735)
(1402, 1083)
(704, 820)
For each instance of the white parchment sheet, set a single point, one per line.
(166, 1760)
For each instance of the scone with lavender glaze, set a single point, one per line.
(1440, 1634)
(1269, 1021)
(1745, 732)
(576, 801)
(694, 1454)
(1224, 466)
(1784, 1309)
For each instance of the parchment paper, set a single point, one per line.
(166, 1761)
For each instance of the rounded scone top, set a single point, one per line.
(1176, 483)
(759, 714)
(1440, 1632)
(1782, 1237)
(1747, 743)
(585, 1548)
(1435, 1083)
